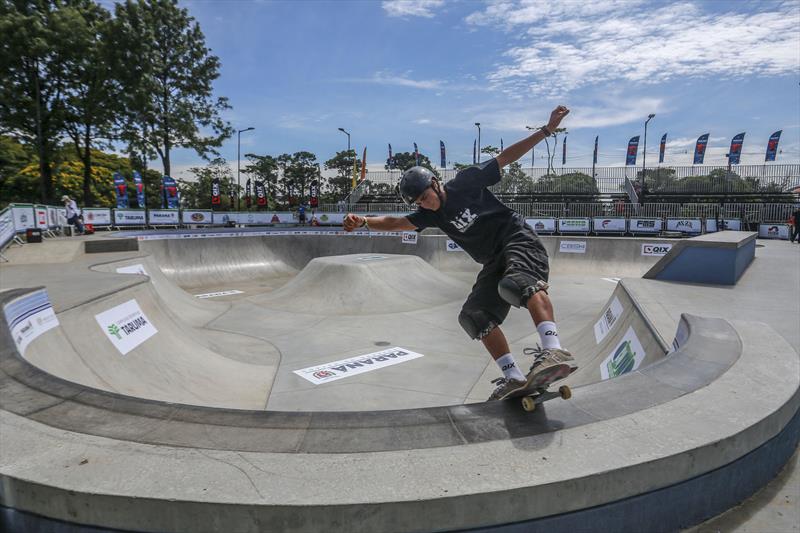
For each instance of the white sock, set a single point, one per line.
(509, 367)
(549, 335)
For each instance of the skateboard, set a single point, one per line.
(536, 392)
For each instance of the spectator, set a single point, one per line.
(301, 214)
(74, 217)
(794, 234)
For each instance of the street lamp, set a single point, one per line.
(238, 164)
(348, 138)
(479, 141)
(644, 153)
(533, 161)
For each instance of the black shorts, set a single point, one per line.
(524, 257)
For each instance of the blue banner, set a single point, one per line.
(594, 157)
(416, 154)
(442, 153)
(170, 193)
(501, 144)
(736, 149)
(474, 146)
(564, 151)
(121, 189)
(662, 148)
(139, 184)
(700, 149)
(772, 146)
(390, 161)
(633, 150)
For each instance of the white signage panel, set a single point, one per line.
(6, 227)
(410, 237)
(644, 225)
(574, 225)
(626, 357)
(656, 249)
(197, 217)
(330, 218)
(96, 216)
(126, 326)
(23, 217)
(572, 247)
(732, 224)
(356, 365)
(611, 316)
(130, 217)
(609, 225)
(163, 217)
(773, 231)
(685, 225)
(28, 317)
(40, 216)
(542, 225)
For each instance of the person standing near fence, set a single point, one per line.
(794, 235)
(73, 213)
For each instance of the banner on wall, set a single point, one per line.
(121, 190)
(216, 196)
(29, 316)
(261, 194)
(97, 216)
(626, 357)
(542, 225)
(23, 217)
(163, 217)
(130, 217)
(700, 149)
(313, 192)
(685, 225)
(40, 216)
(644, 225)
(773, 231)
(197, 216)
(574, 225)
(55, 215)
(139, 184)
(609, 225)
(732, 224)
(6, 227)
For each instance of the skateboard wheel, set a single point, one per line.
(528, 404)
(565, 392)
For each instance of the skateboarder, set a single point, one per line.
(515, 264)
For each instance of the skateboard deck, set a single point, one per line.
(536, 391)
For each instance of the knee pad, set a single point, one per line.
(477, 324)
(516, 291)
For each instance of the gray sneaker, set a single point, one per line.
(505, 388)
(546, 358)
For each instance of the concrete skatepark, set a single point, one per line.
(206, 425)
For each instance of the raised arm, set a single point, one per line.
(380, 223)
(517, 150)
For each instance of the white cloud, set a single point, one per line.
(567, 46)
(401, 80)
(422, 121)
(411, 8)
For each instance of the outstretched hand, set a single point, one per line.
(556, 117)
(352, 222)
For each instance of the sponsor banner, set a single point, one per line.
(685, 225)
(609, 225)
(633, 149)
(452, 246)
(572, 247)
(97, 216)
(700, 149)
(331, 218)
(542, 225)
(126, 326)
(736, 149)
(130, 217)
(40, 216)
(661, 148)
(574, 225)
(169, 190)
(216, 294)
(356, 365)
(410, 237)
(23, 217)
(626, 357)
(611, 316)
(772, 146)
(6, 227)
(28, 317)
(53, 219)
(773, 231)
(121, 189)
(133, 269)
(196, 217)
(138, 184)
(733, 224)
(162, 217)
(644, 225)
(656, 249)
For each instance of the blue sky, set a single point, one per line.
(404, 71)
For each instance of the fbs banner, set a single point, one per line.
(700, 149)
(772, 146)
(633, 150)
(662, 148)
(139, 184)
(736, 149)
(121, 189)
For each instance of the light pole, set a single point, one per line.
(238, 164)
(479, 141)
(644, 152)
(533, 161)
(348, 138)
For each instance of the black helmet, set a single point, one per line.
(413, 183)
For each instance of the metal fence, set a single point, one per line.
(741, 179)
(747, 212)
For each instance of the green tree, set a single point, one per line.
(514, 181)
(343, 163)
(301, 168)
(263, 168)
(196, 194)
(405, 160)
(166, 74)
(490, 150)
(37, 47)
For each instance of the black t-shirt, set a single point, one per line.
(472, 216)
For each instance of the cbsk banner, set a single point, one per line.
(662, 148)
(772, 146)
(633, 149)
(139, 184)
(700, 149)
(736, 149)
(121, 189)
